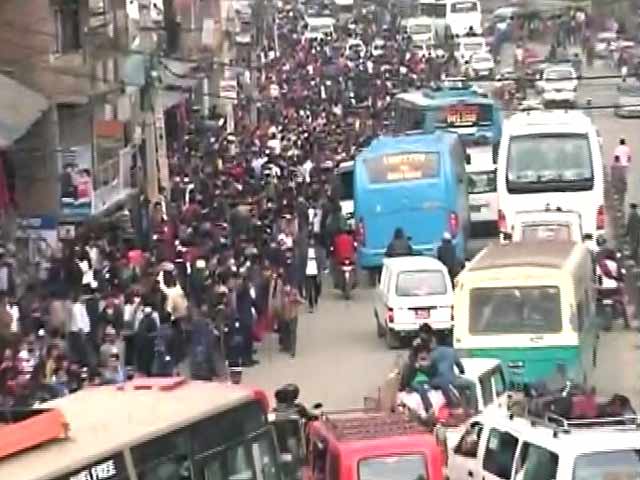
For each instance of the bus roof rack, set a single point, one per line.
(367, 424)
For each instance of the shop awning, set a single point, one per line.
(20, 107)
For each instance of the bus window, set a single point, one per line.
(486, 389)
(265, 458)
(499, 382)
(164, 458)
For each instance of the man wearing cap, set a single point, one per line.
(447, 255)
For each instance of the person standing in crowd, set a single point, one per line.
(448, 257)
(312, 278)
(633, 231)
(291, 301)
(79, 334)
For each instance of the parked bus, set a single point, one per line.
(457, 107)
(148, 429)
(416, 182)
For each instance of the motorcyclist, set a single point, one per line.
(610, 278)
(344, 251)
(399, 245)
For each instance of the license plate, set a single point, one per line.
(422, 314)
(475, 208)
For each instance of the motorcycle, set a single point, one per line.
(610, 292)
(348, 277)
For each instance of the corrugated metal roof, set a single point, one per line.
(20, 107)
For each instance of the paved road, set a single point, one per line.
(340, 360)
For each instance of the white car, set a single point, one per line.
(412, 291)
(482, 65)
(558, 85)
(468, 46)
(378, 47)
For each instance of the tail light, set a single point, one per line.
(361, 233)
(600, 218)
(389, 315)
(454, 224)
(502, 221)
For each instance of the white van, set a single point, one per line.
(547, 225)
(551, 159)
(412, 291)
(469, 46)
(483, 198)
(464, 16)
(497, 445)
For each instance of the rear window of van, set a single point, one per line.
(421, 283)
(397, 467)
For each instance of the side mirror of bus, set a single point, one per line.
(467, 159)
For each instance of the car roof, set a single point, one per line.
(522, 254)
(413, 263)
(578, 442)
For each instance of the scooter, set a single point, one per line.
(348, 270)
(610, 295)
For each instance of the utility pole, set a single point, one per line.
(147, 44)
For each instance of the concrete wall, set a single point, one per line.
(36, 168)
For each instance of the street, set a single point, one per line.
(340, 360)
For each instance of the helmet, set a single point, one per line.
(601, 241)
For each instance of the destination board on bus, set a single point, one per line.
(112, 468)
(465, 115)
(399, 167)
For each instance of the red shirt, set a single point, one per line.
(344, 248)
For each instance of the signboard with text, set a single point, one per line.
(399, 167)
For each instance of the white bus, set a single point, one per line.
(551, 159)
(436, 11)
(464, 16)
(149, 429)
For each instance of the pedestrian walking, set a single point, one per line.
(618, 180)
(312, 279)
(291, 302)
(633, 231)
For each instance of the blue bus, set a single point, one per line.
(455, 106)
(416, 182)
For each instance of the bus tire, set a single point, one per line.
(391, 339)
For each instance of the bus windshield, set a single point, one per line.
(402, 167)
(515, 310)
(550, 162)
(433, 10)
(464, 7)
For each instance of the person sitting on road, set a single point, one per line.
(399, 246)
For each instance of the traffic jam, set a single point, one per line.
(503, 342)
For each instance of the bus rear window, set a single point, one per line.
(403, 167)
(515, 310)
(393, 468)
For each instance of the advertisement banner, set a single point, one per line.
(76, 181)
